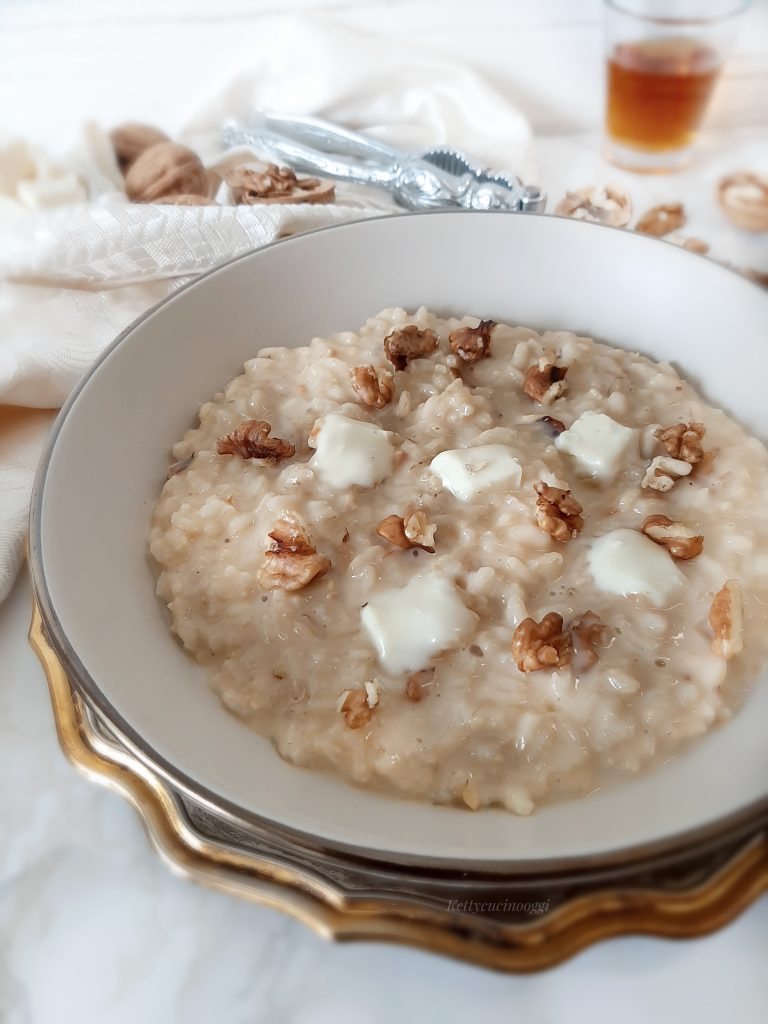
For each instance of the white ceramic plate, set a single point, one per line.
(108, 455)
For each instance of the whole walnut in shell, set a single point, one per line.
(130, 140)
(166, 169)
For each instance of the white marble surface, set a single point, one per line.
(93, 928)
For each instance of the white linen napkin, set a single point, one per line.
(86, 262)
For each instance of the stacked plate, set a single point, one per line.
(676, 851)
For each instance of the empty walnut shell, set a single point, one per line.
(166, 169)
(130, 140)
(744, 199)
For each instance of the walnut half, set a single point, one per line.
(679, 540)
(292, 561)
(408, 343)
(539, 645)
(544, 382)
(683, 441)
(472, 343)
(251, 440)
(557, 512)
(661, 220)
(373, 387)
(726, 617)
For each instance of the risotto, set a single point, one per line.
(468, 562)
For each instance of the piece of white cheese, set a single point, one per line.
(352, 452)
(411, 624)
(597, 444)
(627, 562)
(465, 472)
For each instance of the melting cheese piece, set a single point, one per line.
(626, 562)
(352, 452)
(411, 624)
(465, 472)
(596, 443)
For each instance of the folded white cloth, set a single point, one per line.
(87, 263)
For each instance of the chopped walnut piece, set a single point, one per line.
(545, 382)
(587, 634)
(413, 531)
(373, 387)
(538, 645)
(251, 440)
(679, 540)
(663, 473)
(408, 343)
(683, 441)
(726, 619)
(691, 244)
(556, 426)
(472, 343)
(661, 220)
(419, 531)
(292, 561)
(392, 528)
(557, 512)
(417, 683)
(276, 185)
(606, 205)
(743, 197)
(356, 709)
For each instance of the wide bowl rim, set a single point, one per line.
(738, 820)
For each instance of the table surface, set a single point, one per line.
(93, 927)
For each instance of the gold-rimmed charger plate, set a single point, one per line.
(515, 924)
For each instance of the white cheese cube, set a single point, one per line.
(410, 625)
(352, 452)
(597, 444)
(627, 562)
(465, 472)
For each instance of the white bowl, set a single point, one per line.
(108, 453)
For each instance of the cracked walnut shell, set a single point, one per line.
(251, 440)
(251, 187)
(558, 513)
(408, 343)
(744, 199)
(165, 169)
(541, 645)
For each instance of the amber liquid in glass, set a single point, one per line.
(658, 90)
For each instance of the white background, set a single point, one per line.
(92, 926)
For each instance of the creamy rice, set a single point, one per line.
(483, 732)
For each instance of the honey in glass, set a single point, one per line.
(658, 90)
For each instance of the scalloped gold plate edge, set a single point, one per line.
(532, 946)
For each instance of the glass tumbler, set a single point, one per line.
(663, 58)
